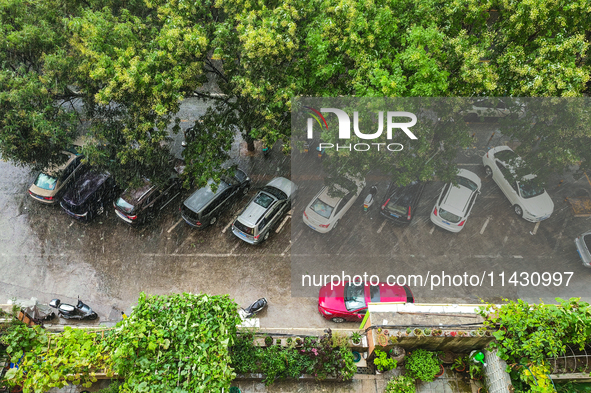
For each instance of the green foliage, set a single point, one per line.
(476, 370)
(356, 337)
(318, 357)
(400, 384)
(383, 362)
(459, 363)
(422, 364)
(54, 360)
(175, 341)
(538, 331)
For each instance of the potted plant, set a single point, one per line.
(459, 365)
(446, 357)
(400, 384)
(476, 371)
(383, 362)
(427, 332)
(356, 338)
(422, 364)
(397, 353)
(382, 340)
(436, 332)
(268, 341)
(453, 334)
(418, 332)
(461, 333)
(298, 342)
(393, 339)
(408, 331)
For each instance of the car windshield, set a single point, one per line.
(462, 181)
(529, 189)
(321, 208)
(445, 215)
(45, 181)
(354, 296)
(263, 200)
(124, 205)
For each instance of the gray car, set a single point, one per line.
(204, 206)
(255, 222)
(583, 243)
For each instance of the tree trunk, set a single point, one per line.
(249, 143)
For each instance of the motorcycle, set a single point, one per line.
(373, 193)
(253, 309)
(67, 311)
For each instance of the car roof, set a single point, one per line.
(253, 212)
(133, 196)
(457, 200)
(404, 194)
(84, 186)
(331, 201)
(54, 170)
(202, 196)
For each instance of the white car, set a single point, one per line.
(324, 211)
(529, 200)
(455, 202)
(495, 107)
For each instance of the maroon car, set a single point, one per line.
(348, 302)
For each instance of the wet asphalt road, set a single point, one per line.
(46, 254)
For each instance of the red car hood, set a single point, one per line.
(393, 293)
(332, 299)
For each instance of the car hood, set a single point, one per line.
(540, 205)
(84, 187)
(332, 298)
(285, 185)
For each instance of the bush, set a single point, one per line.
(383, 362)
(400, 384)
(422, 364)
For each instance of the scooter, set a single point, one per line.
(373, 193)
(67, 311)
(253, 309)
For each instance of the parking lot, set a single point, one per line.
(45, 254)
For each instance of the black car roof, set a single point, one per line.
(84, 187)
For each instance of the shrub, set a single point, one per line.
(383, 362)
(400, 384)
(422, 364)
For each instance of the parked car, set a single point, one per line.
(53, 181)
(324, 211)
(204, 206)
(142, 204)
(495, 108)
(455, 203)
(530, 201)
(400, 202)
(583, 244)
(348, 302)
(255, 222)
(89, 195)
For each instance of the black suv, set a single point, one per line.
(139, 205)
(400, 203)
(89, 195)
(203, 207)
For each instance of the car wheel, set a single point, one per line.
(488, 171)
(245, 190)
(335, 225)
(338, 320)
(93, 316)
(213, 220)
(518, 210)
(267, 235)
(100, 210)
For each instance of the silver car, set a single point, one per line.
(583, 243)
(255, 222)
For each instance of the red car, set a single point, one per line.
(348, 302)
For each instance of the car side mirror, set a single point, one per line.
(360, 316)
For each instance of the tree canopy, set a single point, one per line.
(121, 69)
